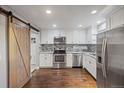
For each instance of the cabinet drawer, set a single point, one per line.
(69, 60)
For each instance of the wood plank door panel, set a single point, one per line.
(19, 53)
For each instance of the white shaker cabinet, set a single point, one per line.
(89, 63)
(78, 37)
(84, 60)
(72, 37)
(50, 37)
(69, 37)
(91, 66)
(69, 61)
(117, 18)
(44, 37)
(46, 60)
(88, 34)
(47, 36)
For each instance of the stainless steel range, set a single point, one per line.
(59, 56)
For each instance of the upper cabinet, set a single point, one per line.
(114, 16)
(44, 37)
(117, 18)
(72, 37)
(47, 36)
(102, 27)
(78, 37)
(69, 37)
(90, 34)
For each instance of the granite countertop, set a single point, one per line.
(46, 52)
(74, 52)
(92, 54)
(68, 52)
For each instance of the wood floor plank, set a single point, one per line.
(61, 78)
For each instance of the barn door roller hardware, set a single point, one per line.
(9, 13)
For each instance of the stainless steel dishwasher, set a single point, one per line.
(77, 60)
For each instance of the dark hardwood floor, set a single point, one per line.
(61, 78)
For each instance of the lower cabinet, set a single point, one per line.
(89, 63)
(46, 60)
(84, 61)
(69, 60)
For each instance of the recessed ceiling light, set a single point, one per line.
(54, 25)
(80, 26)
(48, 11)
(94, 12)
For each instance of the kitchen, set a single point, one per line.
(65, 46)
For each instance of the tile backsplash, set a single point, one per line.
(70, 47)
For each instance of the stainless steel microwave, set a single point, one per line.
(59, 40)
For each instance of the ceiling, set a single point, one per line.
(64, 16)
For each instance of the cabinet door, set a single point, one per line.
(62, 33)
(69, 37)
(94, 69)
(86, 64)
(49, 60)
(50, 37)
(75, 37)
(46, 60)
(88, 35)
(82, 37)
(78, 37)
(91, 66)
(69, 60)
(84, 60)
(42, 60)
(117, 18)
(44, 37)
(94, 38)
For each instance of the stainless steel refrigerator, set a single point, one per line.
(110, 58)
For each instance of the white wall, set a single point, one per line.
(3, 52)
(35, 50)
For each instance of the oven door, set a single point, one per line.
(59, 58)
(59, 61)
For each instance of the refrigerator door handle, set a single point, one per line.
(102, 55)
(104, 52)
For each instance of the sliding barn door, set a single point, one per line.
(19, 53)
